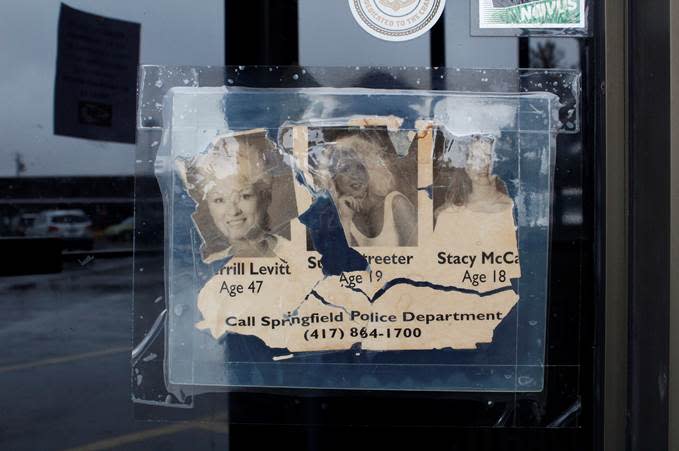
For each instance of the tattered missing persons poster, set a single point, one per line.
(399, 274)
(383, 242)
(559, 14)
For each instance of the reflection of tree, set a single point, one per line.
(19, 164)
(545, 55)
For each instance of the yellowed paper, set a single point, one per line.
(442, 280)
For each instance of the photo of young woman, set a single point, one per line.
(232, 184)
(465, 183)
(357, 168)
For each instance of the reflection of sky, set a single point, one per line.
(184, 33)
(270, 110)
(461, 114)
(171, 33)
(329, 36)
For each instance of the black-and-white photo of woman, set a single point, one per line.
(374, 211)
(466, 182)
(232, 184)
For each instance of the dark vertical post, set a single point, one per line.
(261, 32)
(649, 221)
(437, 38)
(524, 53)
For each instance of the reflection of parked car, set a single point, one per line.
(21, 223)
(122, 231)
(72, 226)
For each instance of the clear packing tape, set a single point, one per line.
(390, 232)
(156, 81)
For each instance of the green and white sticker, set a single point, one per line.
(532, 13)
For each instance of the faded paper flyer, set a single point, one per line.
(364, 235)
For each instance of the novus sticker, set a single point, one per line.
(531, 13)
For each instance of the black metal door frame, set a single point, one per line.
(649, 163)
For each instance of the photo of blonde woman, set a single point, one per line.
(358, 172)
(232, 184)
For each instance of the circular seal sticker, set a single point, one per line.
(397, 20)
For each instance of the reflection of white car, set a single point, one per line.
(122, 231)
(72, 226)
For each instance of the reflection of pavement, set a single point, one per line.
(105, 244)
(64, 366)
